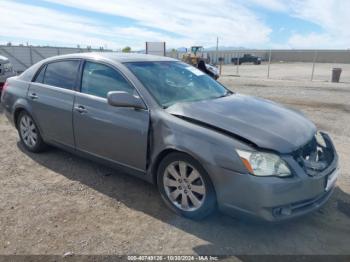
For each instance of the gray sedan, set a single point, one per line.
(164, 121)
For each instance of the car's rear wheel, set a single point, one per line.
(185, 186)
(29, 133)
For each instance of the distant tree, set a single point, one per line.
(126, 49)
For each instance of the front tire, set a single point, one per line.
(185, 186)
(29, 133)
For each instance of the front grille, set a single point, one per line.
(314, 157)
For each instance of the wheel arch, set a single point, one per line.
(161, 155)
(21, 106)
(158, 159)
(16, 114)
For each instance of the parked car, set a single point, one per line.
(6, 70)
(171, 124)
(210, 70)
(246, 58)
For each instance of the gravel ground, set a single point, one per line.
(55, 202)
(289, 71)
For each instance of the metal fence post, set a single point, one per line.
(217, 49)
(31, 55)
(237, 68)
(268, 67)
(313, 65)
(220, 70)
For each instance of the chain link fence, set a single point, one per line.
(304, 65)
(310, 65)
(23, 57)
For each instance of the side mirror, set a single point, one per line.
(124, 99)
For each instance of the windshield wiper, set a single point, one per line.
(227, 93)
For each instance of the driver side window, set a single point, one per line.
(99, 79)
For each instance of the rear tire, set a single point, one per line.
(29, 133)
(185, 186)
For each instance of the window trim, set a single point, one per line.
(74, 88)
(37, 73)
(82, 66)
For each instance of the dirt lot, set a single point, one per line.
(55, 202)
(290, 71)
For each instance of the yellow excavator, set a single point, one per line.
(195, 55)
(198, 58)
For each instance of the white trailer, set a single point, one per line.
(156, 48)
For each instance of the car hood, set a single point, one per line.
(264, 123)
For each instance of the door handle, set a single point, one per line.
(33, 96)
(81, 109)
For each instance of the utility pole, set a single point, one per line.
(268, 67)
(313, 65)
(217, 49)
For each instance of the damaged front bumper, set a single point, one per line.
(277, 199)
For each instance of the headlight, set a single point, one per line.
(264, 164)
(320, 140)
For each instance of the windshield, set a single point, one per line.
(173, 82)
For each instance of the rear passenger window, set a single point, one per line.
(62, 74)
(40, 77)
(99, 79)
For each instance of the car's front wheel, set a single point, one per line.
(29, 133)
(185, 186)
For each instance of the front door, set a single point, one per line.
(114, 133)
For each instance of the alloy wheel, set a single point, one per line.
(28, 131)
(184, 186)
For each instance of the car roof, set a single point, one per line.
(28, 74)
(114, 56)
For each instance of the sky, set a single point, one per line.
(114, 24)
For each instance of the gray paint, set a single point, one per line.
(209, 131)
(113, 133)
(52, 106)
(123, 99)
(266, 124)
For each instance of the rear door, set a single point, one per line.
(116, 134)
(51, 96)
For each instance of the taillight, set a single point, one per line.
(5, 86)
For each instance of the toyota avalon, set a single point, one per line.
(202, 145)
